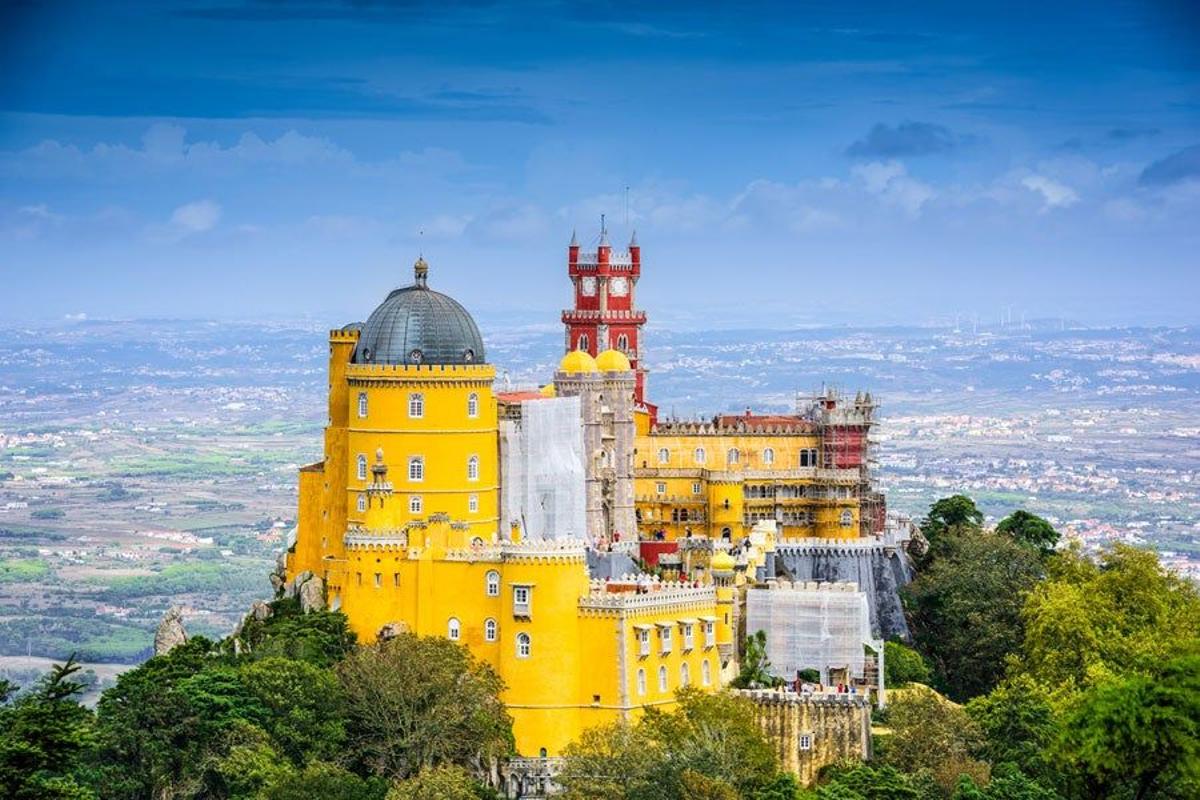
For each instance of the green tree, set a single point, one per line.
(1018, 727)
(948, 515)
(698, 786)
(1029, 530)
(1138, 733)
(783, 786)
(1006, 784)
(444, 782)
(866, 782)
(414, 702)
(755, 672)
(44, 737)
(902, 665)
(327, 782)
(619, 761)
(932, 735)
(321, 637)
(1090, 620)
(965, 609)
(305, 707)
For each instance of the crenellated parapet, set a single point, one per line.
(811, 730)
(644, 593)
(362, 375)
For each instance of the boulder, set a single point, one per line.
(170, 633)
(312, 594)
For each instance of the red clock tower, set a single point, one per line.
(605, 315)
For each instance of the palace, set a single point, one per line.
(510, 522)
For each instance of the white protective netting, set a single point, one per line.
(821, 626)
(543, 470)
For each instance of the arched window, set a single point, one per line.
(664, 455)
(415, 504)
(699, 456)
(416, 405)
(362, 503)
(641, 682)
(416, 468)
(524, 645)
(452, 629)
(605, 459)
(489, 631)
(472, 405)
(705, 672)
(685, 674)
(623, 343)
(362, 404)
(583, 342)
(769, 456)
(847, 518)
(662, 679)
(362, 467)
(733, 455)
(493, 583)
(473, 468)
(473, 503)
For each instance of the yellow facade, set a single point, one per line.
(705, 480)
(418, 549)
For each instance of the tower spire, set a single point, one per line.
(421, 272)
(603, 232)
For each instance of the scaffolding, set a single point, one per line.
(542, 470)
(812, 625)
(845, 428)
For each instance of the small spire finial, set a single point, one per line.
(603, 232)
(633, 240)
(574, 239)
(421, 271)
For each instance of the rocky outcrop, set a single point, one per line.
(309, 590)
(170, 633)
(279, 574)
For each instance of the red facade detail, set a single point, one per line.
(605, 314)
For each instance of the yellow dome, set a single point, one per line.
(612, 361)
(722, 562)
(548, 391)
(577, 361)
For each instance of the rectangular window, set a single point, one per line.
(710, 634)
(521, 601)
(643, 635)
(688, 638)
(696, 487)
(362, 404)
(416, 405)
(362, 503)
(416, 468)
(806, 741)
(473, 504)
(378, 580)
(395, 579)
(664, 639)
(661, 488)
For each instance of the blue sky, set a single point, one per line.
(786, 163)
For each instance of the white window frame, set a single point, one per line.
(362, 466)
(696, 488)
(473, 504)
(643, 636)
(473, 468)
(524, 645)
(416, 504)
(710, 633)
(664, 639)
(416, 469)
(804, 741)
(769, 455)
(706, 673)
(700, 455)
(583, 342)
(661, 487)
(491, 583)
(362, 405)
(472, 405)
(641, 682)
(522, 607)
(685, 675)
(491, 631)
(416, 405)
(733, 456)
(689, 638)
(664, 455)
(453, 629)
(846, 518)
(663, 679)
(362, 502)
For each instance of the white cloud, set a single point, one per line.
(197, 217)
(891, 182)
(511, 224)
(1054, 194)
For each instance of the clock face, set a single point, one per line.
(589, 287)
(620, 287)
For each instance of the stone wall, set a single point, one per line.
(812, 731)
